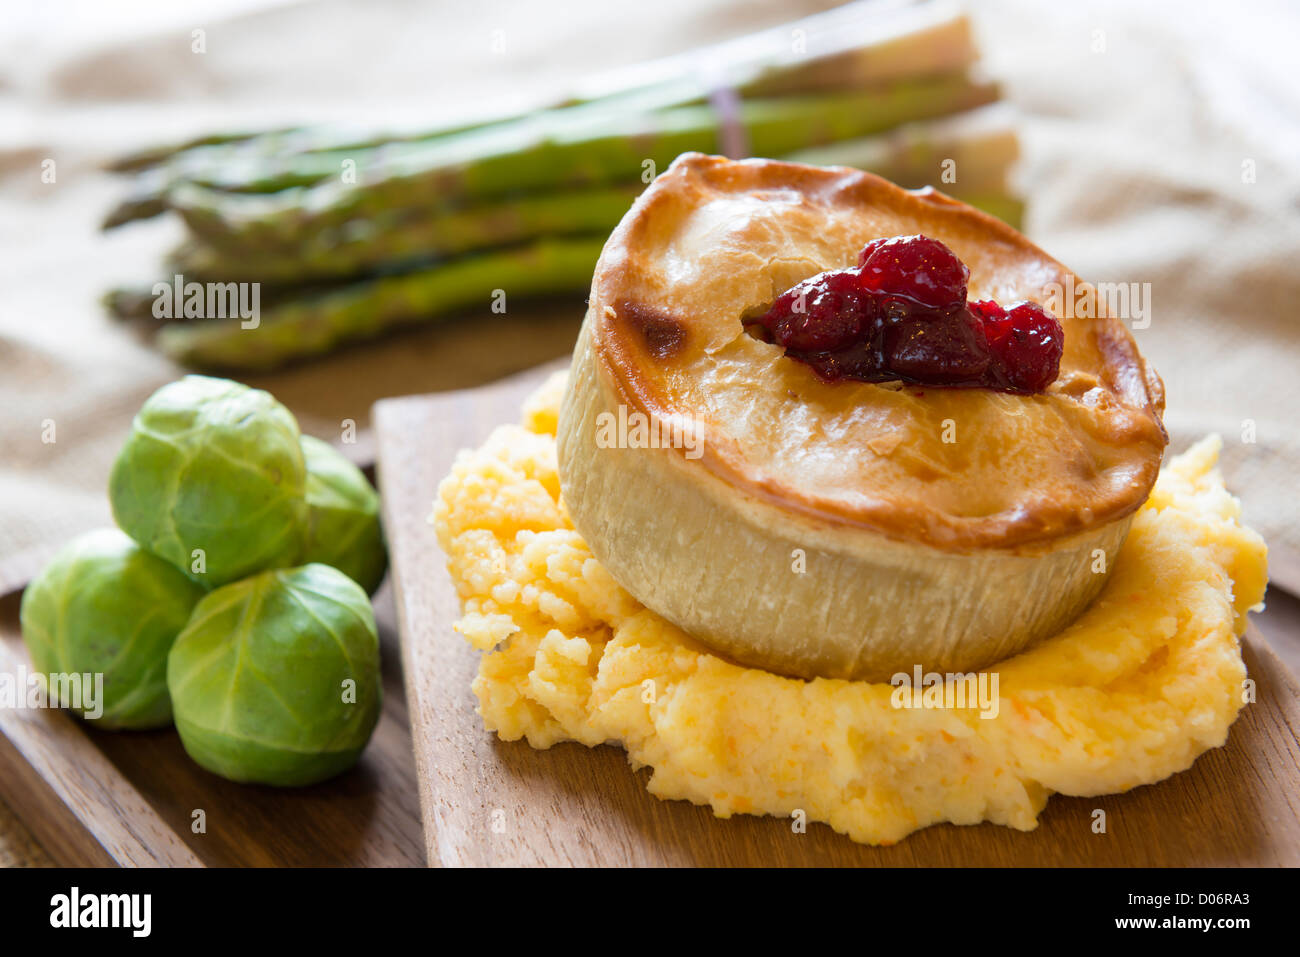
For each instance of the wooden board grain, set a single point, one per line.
(486, 802)
(18, 846)
(97, 798)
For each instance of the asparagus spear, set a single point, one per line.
(261, 164)
(152, 156)
(552, 151)
(314, 326)
(137, 302)
(332, 254)
(265, 165)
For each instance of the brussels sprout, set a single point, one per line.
(343, 527)
(275, 679)
(103, 605)
(212, 479)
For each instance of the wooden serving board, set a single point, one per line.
(99, 798)
(487, 802)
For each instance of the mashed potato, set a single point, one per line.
(1147, 679)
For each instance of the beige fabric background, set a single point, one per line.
(1136, 123)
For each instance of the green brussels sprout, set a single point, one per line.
(343, 527)
(212, 479)
(104, 605)
(275, 680)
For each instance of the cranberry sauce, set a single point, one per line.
(902, 313)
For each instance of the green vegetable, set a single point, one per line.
(413, 238)
(275, 680)
(152, 156)
(362, 310)
(136, 303)
(212, 479)
(263, 164)
(343, 525)
(105, 606)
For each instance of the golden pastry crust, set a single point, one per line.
(1148, 678)
(713, 239)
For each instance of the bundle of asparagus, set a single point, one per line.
(353, 232)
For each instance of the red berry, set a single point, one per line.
(917, 267)
(948, 351)
(1027, 346)
(820, 314)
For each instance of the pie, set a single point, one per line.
(850, 529)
